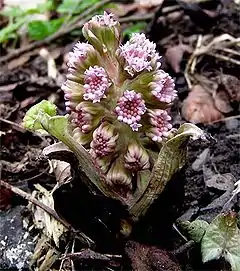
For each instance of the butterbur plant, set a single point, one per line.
(118, 124)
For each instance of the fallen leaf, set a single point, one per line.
(42, 220)
(222, 101)
(222, 239)
(232, 86)
(222, 182)
(61, 169)
(174, 55)
(201, 160)
(199, 107)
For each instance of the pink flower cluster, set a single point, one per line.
(105, 20)
(96, 84)
(139, 54)
(82, 119)
(111, 87)
(79, 54)
(130, 108)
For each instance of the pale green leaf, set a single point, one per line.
(34, 117)
(171, 158)
(222, 239)
(195, 230)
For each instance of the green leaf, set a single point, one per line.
(171, 158)
(135, 28)
(75, 7)
(12, 12)
(32, 119)
(39, 30)
(195, 230)
(222, 239)
(10, 31)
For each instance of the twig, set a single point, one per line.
(224, 58)
(48, 210)
(16, 126)
(134, 18)
(88, 254)
(178, 231)
(183, 248)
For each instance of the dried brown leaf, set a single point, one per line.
(199, 107)
(174, 55)
(222, 101)
(149, 3)
(232, 86)
(61, 169)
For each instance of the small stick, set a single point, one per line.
(43, 206)
(184, 247)
(16, 126)
(88, 254)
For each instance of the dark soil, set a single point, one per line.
(186, 196)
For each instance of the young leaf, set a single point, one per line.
(75, 7)
(222, 239)
(39, 30)
(135, 28)
(32, 119)
(171, 158)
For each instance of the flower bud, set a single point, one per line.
(72, 94)
(136, 158)
(104, 140)
(118, 175)
(162, 87)
(82, 56)
(159, 119)
(86, 116)
(103, 32)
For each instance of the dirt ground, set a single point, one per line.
(190, 194)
